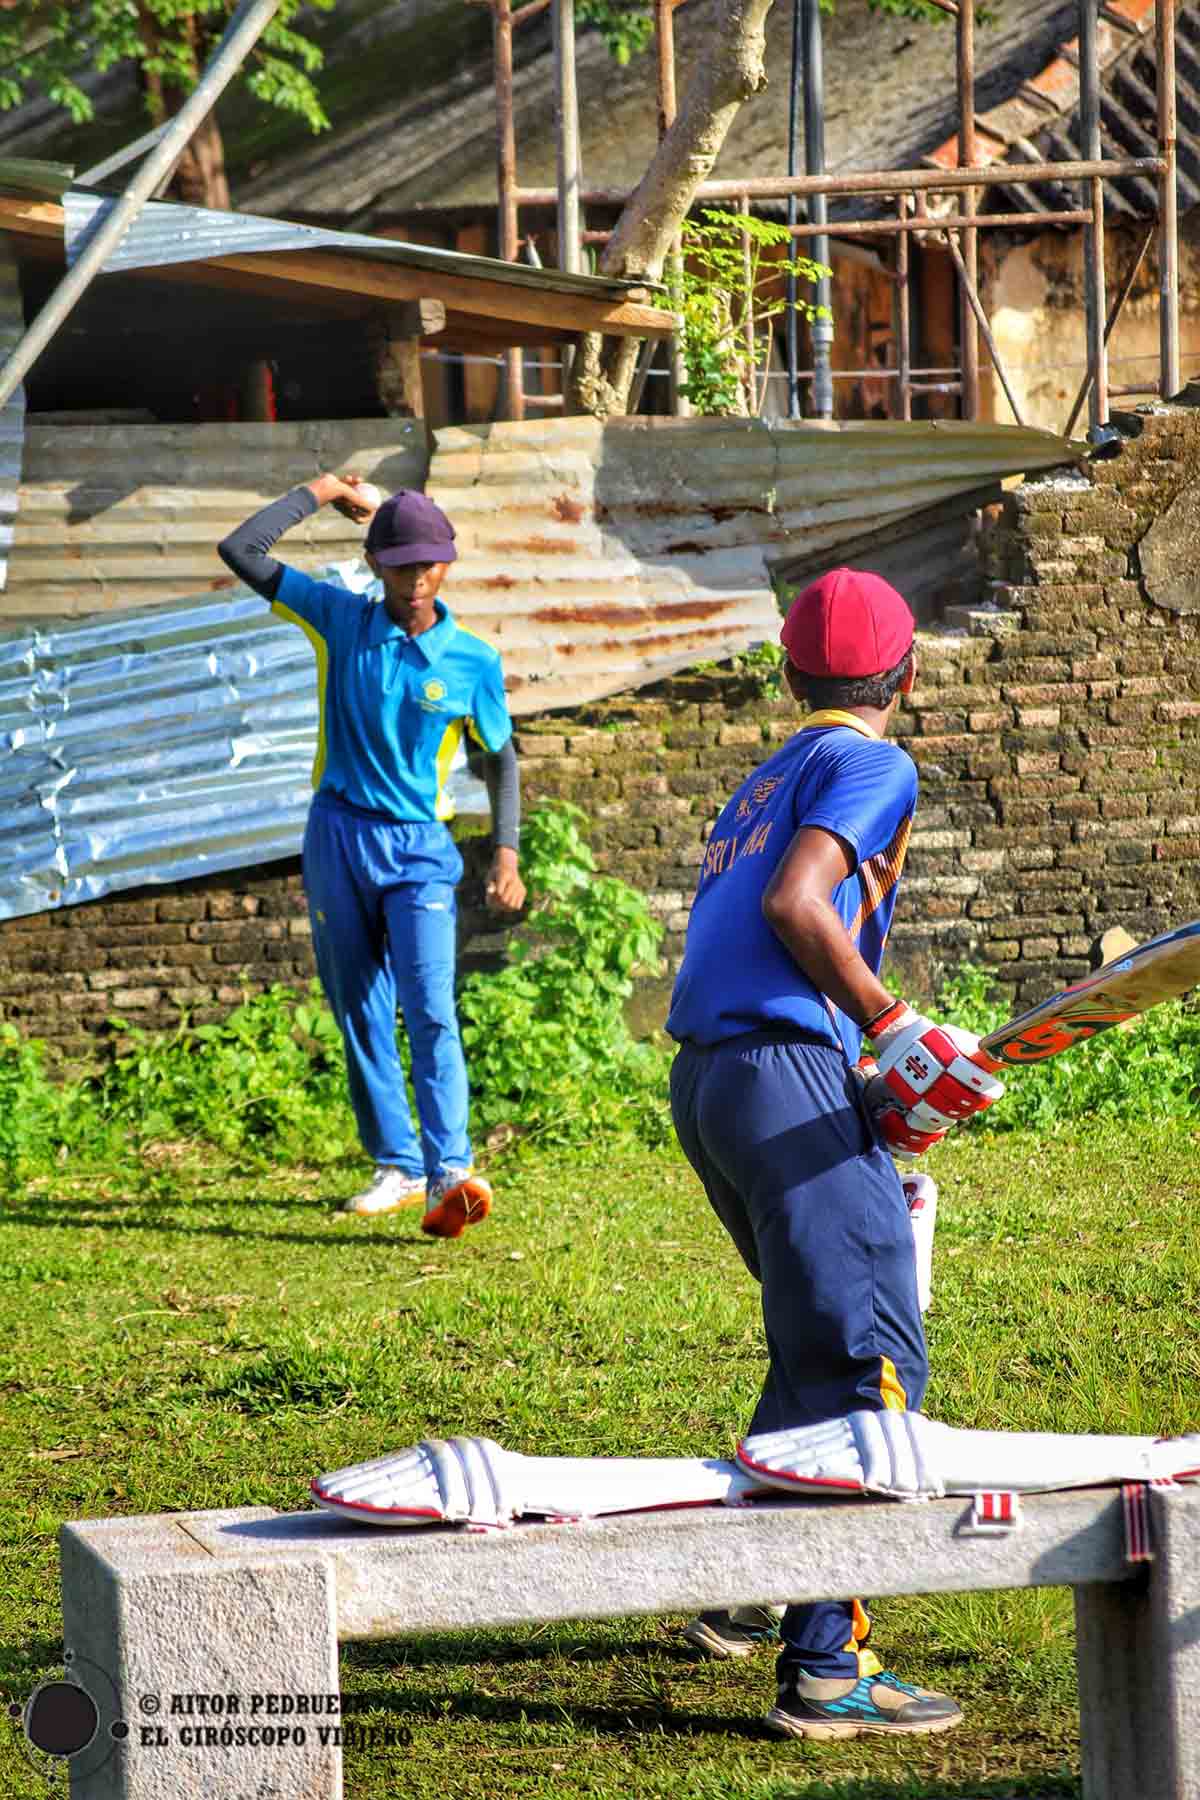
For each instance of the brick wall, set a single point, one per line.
(1056, 728)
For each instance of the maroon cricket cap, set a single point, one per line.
(847, 624)
(409, 528)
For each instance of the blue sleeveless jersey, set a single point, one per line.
(736, 975)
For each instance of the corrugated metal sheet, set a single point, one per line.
(599, 557)
(153, 745)
(164, 233)
(116, 516)
(12, 417)
(932, 555)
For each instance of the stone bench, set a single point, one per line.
(246, 1605)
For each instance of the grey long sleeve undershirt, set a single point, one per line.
(245, 551)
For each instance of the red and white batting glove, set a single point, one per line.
(937, 1074)
(892, 1125)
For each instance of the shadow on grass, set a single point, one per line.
(349, 1237)
(620, 1717)
(499, 1652)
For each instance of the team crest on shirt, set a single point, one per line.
(758, 796)
(433, 696)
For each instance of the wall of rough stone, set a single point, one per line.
(1056, 728)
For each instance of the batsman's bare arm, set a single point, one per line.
(798, 907)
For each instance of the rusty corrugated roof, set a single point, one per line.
(598, 557)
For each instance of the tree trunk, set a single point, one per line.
(731, 72)
(198, 178)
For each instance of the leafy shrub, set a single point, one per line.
(546, 1037)
(32, 1110)
(270, 1077)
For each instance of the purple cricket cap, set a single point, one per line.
(409, 528)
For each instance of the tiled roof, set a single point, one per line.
(1040, 122)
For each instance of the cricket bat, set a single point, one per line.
(1160, 969)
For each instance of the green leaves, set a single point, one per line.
(625, 25)
(50, 49)
(728, 288)
(548, 1047)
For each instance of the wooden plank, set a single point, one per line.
(486, 299)
(347, 277)
(32, 218)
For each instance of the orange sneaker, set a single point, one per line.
(455, 1199)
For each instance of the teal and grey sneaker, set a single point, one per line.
(738, 1632)
(808, 1707)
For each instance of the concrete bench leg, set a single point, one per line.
(1138, 1651)
(154, 1624)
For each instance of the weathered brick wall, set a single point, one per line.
(1056, 728)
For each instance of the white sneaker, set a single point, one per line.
(390, 1189)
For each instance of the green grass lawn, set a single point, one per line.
(176, 1337)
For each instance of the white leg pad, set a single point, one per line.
(909, 1457)
(473, 1481)
(904, 1456)
(454, 1481)
(920, 1191)
(866, 1453)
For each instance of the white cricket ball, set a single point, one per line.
(369, 494)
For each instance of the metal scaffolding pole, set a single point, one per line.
(1168, 202)
(243, 32)
(883, 181)
(968, 206)
(818, 209)
(506, 181)
(903, 316)
(664, 43)
(566, 123)
(1096, 305)
(791, 319)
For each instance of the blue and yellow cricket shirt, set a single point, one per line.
(392, 708)
(736, 975)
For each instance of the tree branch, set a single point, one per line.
(732, 71)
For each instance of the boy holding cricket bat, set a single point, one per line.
(778, 987)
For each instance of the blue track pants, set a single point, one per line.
(777, 1132)
(382, 908)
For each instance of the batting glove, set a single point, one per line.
(937, 1074)
(892, 1125)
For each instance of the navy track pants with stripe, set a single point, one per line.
(775, 1128)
